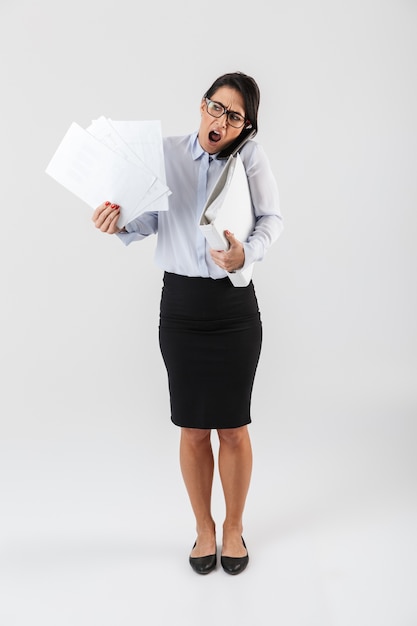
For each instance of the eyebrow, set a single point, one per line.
(226, 109)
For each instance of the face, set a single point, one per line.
(215, 133)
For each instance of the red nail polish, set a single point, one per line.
(106, 203)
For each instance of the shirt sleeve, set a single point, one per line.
(140, 228)
(266, 205)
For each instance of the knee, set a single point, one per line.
(233, 437)
(195, 436)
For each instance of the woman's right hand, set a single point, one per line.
(105, 218)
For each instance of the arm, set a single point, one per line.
(267, 230)
(266, 205)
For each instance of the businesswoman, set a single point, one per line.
(210, 331)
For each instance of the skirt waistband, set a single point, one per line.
(199, 298)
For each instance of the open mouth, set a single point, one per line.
(214, 136)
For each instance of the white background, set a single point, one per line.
(95, 523)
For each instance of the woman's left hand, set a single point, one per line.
(231, 259)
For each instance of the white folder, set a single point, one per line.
(229, 207)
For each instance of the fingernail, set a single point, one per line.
(107, 203)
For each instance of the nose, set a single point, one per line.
(224, 119)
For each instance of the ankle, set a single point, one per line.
(232, 528)
(206, 528)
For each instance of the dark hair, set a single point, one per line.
(247, 86)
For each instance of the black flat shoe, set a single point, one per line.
(203, 564)
(235, 565)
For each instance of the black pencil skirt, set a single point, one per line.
(210, 335)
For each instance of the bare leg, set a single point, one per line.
(197, 466)
(235, 467)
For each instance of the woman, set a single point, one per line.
(210, 331)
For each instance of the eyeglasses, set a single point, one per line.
(215, 109)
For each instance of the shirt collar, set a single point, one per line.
(196, 150)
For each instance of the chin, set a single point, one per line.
(217, 147)
(211, 146)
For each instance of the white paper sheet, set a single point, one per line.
(140, 142)
(107, 168)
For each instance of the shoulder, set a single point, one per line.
(251, 149)
(253, 154)
(177, 142)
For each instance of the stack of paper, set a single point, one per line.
(122, 162)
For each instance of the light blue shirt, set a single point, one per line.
(190, 174)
